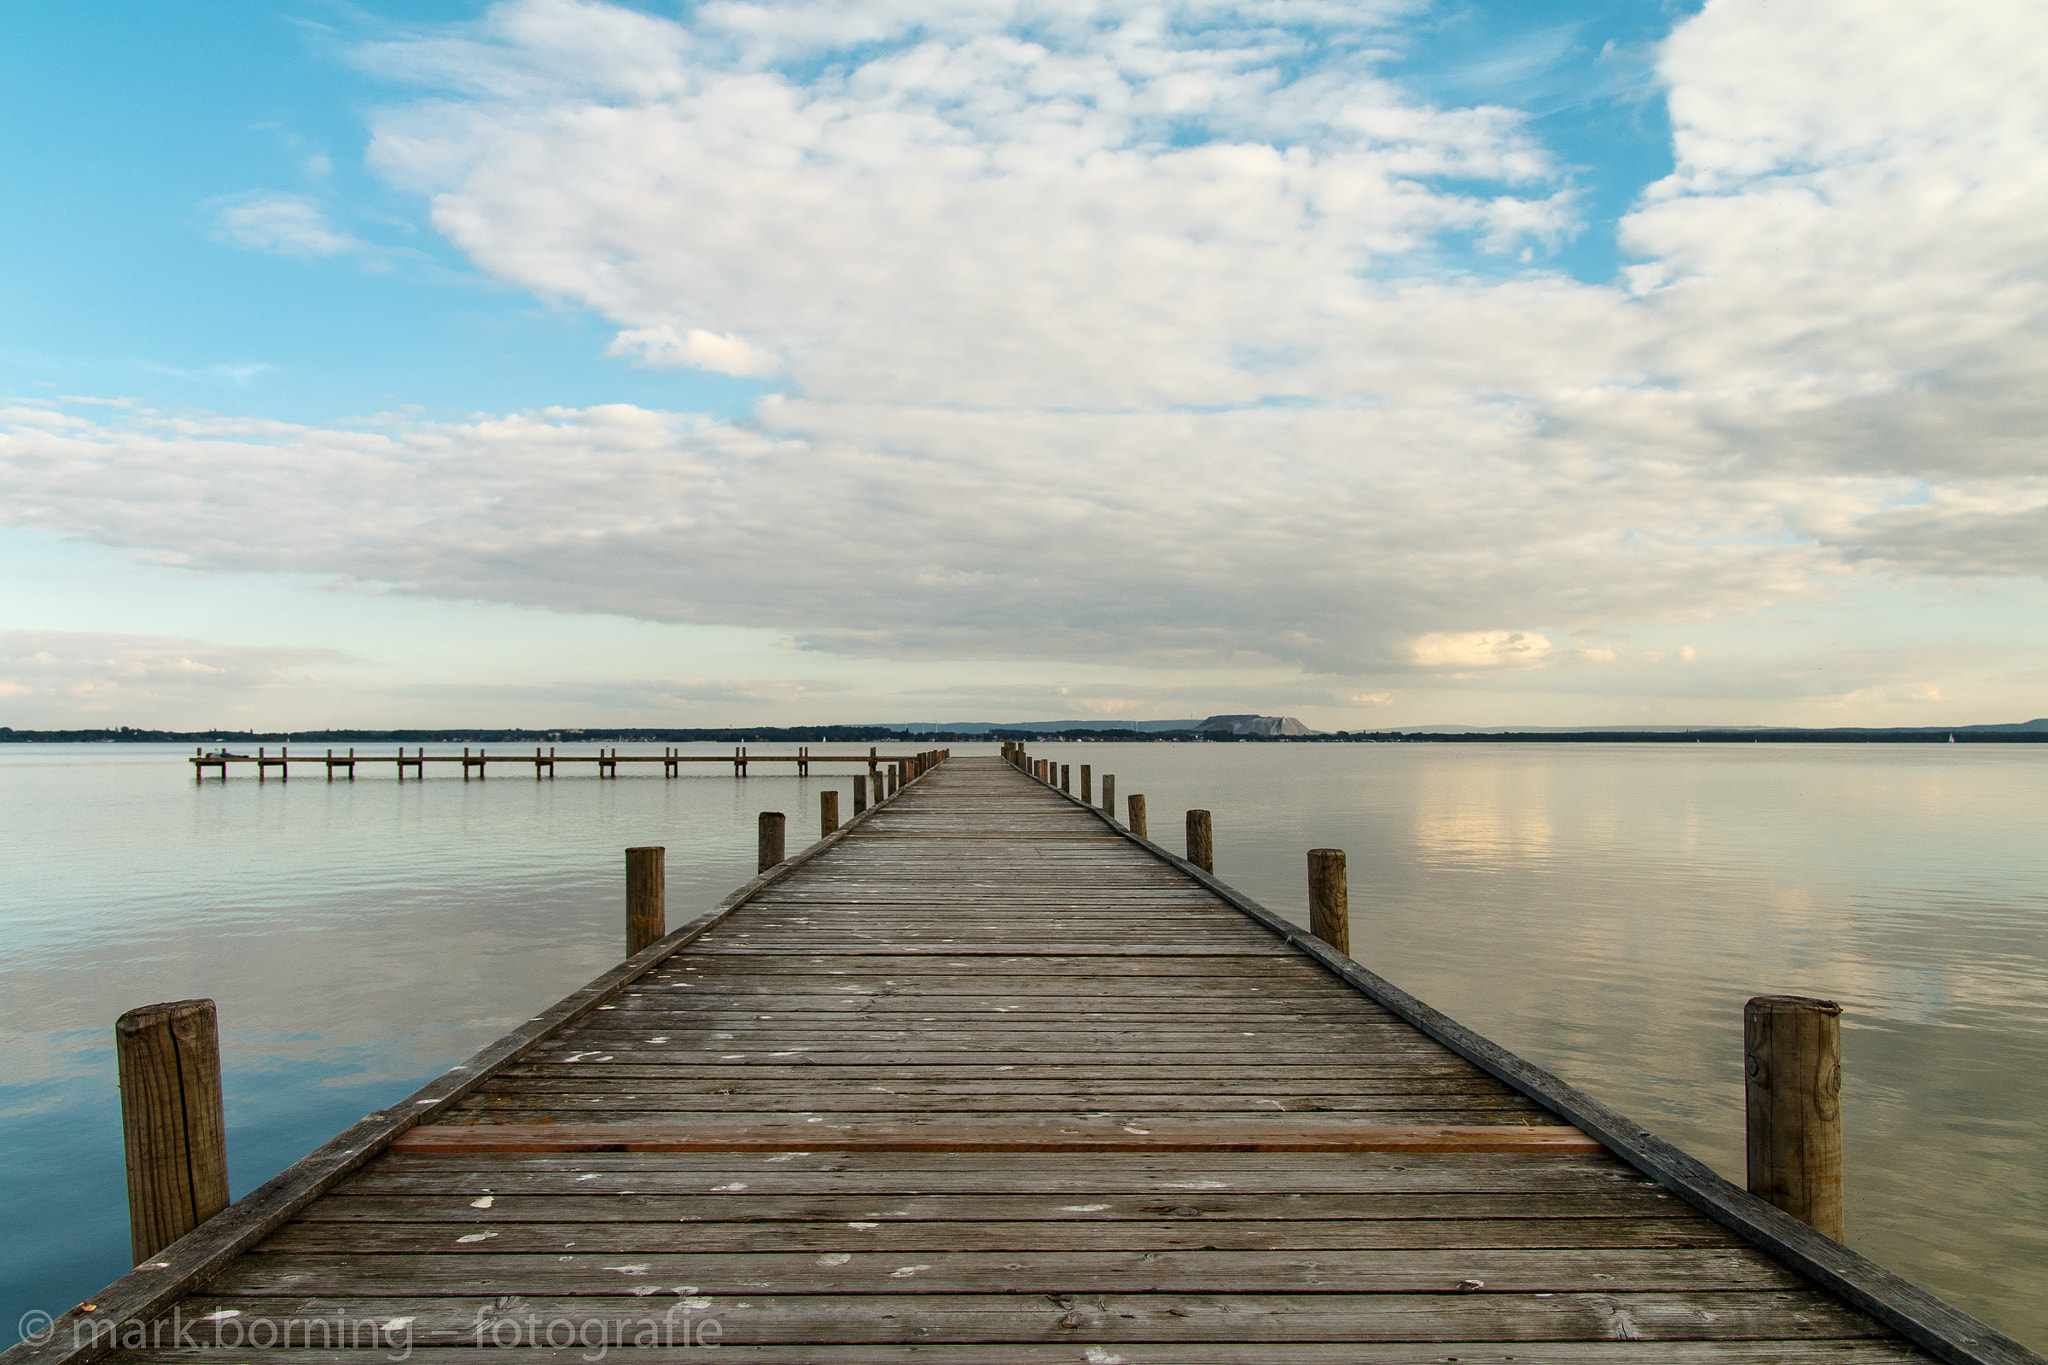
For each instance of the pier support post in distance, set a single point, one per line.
(1066, 772)
(1109, 795)
(1201, 844)
(1792, 1065)
(1087, 784)
(1136, 805)
(1329, 898)
(171, 1121)
(646, 897)
(772, 826)
(828, 811)
(860, 794)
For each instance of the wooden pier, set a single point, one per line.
(605, 761)
(982, 1078)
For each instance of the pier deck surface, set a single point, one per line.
(985, 1081)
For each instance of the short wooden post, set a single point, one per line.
(1087, 785)
(171, 1121)
(1136, 805)
(1066, 771)
(1329, 898)
(1109, 795)
(860, 794)
(772, 824)
(1792, 1062)
(1201, 845)
(828, 811)
(646, 897)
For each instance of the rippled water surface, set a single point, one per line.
(1604, 910)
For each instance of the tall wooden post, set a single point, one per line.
(1136, 805)
(860, 794)
(1066, 772)
(772, 824)
(1792, 1062)
(1109, 795)
(171, 1121)
(1329, 898)
(1087, 785)
(828, 811)
(1201, 845)
(646, 897)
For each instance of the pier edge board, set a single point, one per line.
(1915, 1313)
(188, 1263)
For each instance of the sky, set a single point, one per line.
(1380, 363)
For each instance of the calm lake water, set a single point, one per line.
(1604, 910)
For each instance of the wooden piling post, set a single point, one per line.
(828, 811)
(1792, 1064)
(860, 793)
(1109, 795)
(772, 826)
(1087, 785)
(646, 897)
(1201, 844)
(1136, 805)
(1329, 898)
(171, 1121)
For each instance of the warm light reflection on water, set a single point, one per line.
(1604, 910)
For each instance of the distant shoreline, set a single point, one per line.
(2033, 732)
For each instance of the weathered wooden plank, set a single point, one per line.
(1411, 1270)
(1009, 1135)
(500, 1109)
(1099, 1318)
(1126, 1353)
(1087, 1184)
(961, 1232)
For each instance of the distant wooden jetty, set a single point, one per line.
(606, 761)
(984, 1077)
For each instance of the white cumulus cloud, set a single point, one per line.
(1170, 334)
(663, 348)
(286, 224)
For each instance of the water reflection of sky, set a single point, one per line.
(1603, 910)
(359, 938)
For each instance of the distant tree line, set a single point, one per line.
(2031, 733)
